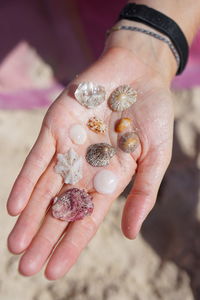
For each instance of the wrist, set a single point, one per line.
(185, 13)
(150, 51)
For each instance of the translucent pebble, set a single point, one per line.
(105, 182)
(77, 134)
(89, 94)
(73, 205)
(122, 98)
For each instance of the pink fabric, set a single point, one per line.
(45, 43)
(39, 52)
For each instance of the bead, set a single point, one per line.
(105, 182)
(89, 94)
(77, 134)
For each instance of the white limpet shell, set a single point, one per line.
(105, 182)
(89, 94)
(77, 134)
(122, 98)
(69, 166)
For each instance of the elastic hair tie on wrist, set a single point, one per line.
(151, 33)
(163, 24)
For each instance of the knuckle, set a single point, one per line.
(36, 159)
(46, 239)
(44, 193)
(26, 179)
(141, 192)
(89, 226)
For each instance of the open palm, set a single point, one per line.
(36, 232)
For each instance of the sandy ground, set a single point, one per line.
(162, 263)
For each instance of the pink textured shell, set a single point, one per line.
(73, 205)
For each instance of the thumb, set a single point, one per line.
(144, 192)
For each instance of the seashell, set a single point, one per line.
(96, 125)
(122, 98)
(90, 95)
(69, 166)
(73, 205)
(128, 142)
(122, 125)
(99, 155)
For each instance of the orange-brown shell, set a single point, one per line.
(122, 124)
(128, 142)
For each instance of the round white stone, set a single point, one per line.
(77, 134)
(105, 182)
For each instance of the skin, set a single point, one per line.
(36, 233)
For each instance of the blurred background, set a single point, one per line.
(44, 44)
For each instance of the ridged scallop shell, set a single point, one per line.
(99, 155)
(89, 94)
(96, 125)
(122, 124)
(122, 98)
(128, 142)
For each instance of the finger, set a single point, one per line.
(37, 253)
(35, 164)
(76, 238)
(42, 245)
(144, 192)
(30, 219)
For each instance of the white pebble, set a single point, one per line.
(105, 182)
(77, 134)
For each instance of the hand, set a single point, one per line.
(36, 232)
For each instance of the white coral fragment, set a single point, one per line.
(69, 166)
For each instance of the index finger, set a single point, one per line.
(34, 165)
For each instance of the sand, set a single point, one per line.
(162, 263)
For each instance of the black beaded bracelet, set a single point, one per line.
(163, 24)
